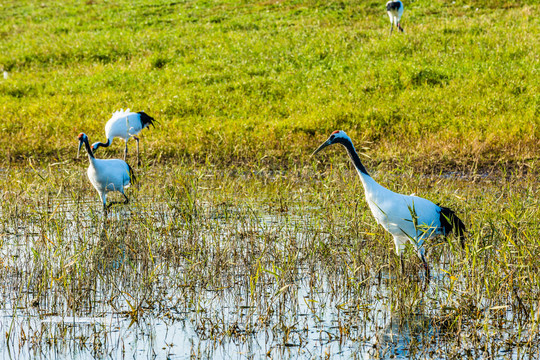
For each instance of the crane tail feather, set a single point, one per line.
(393, 6)
(450, 222)
(132, 178)
(147, 120)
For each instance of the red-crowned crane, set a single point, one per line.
(107, 174)
(407, 218)
(395, 11)
(124, 125)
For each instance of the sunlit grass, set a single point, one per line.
(245, 82)
(233, 231)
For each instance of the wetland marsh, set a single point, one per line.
(245, 264)
(237, 244)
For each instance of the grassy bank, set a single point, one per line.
(264, 82)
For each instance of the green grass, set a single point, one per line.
(263, 83)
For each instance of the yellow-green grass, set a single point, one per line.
(262, 83)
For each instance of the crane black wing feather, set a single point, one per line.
(392, 5)
(146, 120)
(132, 178)
(451, 223)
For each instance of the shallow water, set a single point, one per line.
(210, 320)
(211, 277)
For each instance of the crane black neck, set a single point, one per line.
(88, 148)
(98, 144)
(353, 155)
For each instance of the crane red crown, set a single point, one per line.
(335, 132)
(80, 135)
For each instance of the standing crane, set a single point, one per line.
(395, 11)
(407, 218)
(107, 174)
(124, 125)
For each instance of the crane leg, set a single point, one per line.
(391, 28)
(103, 197)
(125, 152)
(126, 201)
(426, 266)
(402, 264)
(138, 161)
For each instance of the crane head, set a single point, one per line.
(337, 136)
(82, 138)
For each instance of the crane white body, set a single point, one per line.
(107, 175)
(125, 124)
(395, 10)
(407, 218)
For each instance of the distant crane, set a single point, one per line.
(107, 174)
(395, 11)
(407, 218)
(125, 124)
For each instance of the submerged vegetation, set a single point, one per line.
(287, 264)
(237, 243)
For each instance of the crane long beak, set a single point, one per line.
(324, 144)
(79, 150)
